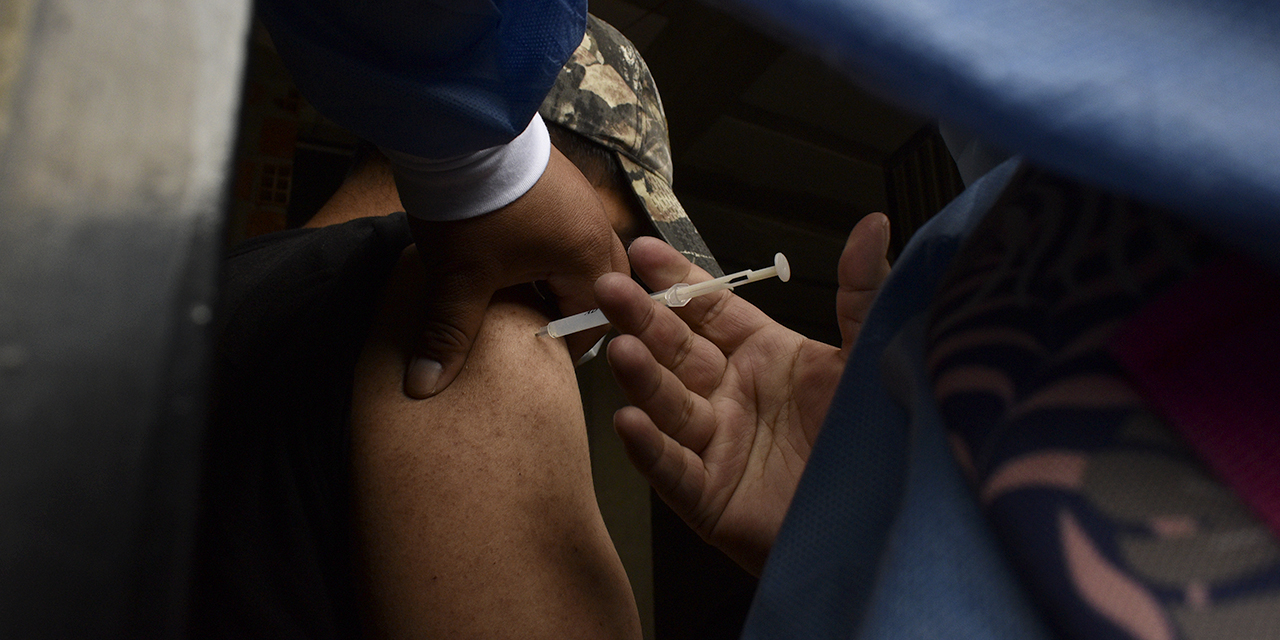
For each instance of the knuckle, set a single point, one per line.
(687, 412)
(683, 351)
(646, 321)
(442, 337)
(715, 311)
(649, 393)
(681, 418)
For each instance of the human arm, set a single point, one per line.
(450, 91)
(473, 510)
(458, 274)
(727, 401)
(558, 232)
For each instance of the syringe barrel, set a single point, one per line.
(575, 323)
(675, 296)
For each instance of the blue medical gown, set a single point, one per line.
(433, 79)
(1172, 103)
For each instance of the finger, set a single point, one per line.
(677, 411)
(863, 267)
(659, 265)
(696, 362)
(676, 474)
(557, 232)
(572, 280)
(722, 317)
(581, 245)
(452, 308)
(575, 293)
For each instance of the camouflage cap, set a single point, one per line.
(605, 93)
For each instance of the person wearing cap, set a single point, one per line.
(606, 94)
(333, 503)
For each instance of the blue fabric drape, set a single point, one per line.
(1173, 102)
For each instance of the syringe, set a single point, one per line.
(677, 296)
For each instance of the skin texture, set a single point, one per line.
(474, 514)
(474, 509)
(727, 401)
(368, 192)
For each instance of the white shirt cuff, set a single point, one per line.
(474, 184)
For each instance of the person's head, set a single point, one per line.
(605, 115)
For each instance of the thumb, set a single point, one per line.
(862, 269)
(452, 310)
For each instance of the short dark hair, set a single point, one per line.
(597, 162)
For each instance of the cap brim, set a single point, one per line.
(668, 217)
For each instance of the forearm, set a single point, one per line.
(474, 511)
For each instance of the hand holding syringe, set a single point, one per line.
(677, 296)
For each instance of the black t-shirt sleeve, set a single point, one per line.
(295, 308)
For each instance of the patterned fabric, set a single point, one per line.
(1114, 525)
(606, 94)
(868, 548)
(1205, 355)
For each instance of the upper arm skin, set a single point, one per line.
(473, 511)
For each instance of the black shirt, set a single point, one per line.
(272, 558)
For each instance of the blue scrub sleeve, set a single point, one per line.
(435, 79)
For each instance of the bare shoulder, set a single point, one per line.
(473, 510)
